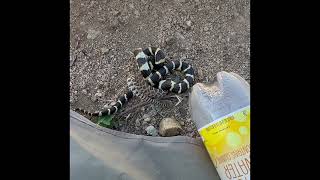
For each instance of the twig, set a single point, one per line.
(128, 110)
(74, 60)
(133, 108)
(171, 97)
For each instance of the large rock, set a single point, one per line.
(169, 127)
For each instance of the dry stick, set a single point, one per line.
(133, 108)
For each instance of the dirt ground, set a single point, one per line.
(211, 35)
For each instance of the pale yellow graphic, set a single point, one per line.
(233, 139)
(243, 130)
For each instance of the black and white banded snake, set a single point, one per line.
(153, 67)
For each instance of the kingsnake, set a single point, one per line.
(152, 65)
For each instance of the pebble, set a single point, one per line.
(169, 127)
(146, 118)
(138, 123)
(92, 34)
(136, 12)
(104, 50)
(96, 96)
(93, 98)
(114, 24)
(188, 23)
(151, 131)
(182, 123)
(170, 41)
(84, 91)
(115, 13)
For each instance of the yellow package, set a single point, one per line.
(227, 141)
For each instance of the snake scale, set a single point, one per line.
(153, 67)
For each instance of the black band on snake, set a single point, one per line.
(115, 108)
(153, 59)
(153, 67)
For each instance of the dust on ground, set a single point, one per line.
(211, 35)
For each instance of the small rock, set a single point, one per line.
(131, 6)
(146, 118)
(153, 121)
(218, 7)
(93, 98)
(114, 23)
(82, 23)
(169, 127)
(179, 36)
(98, 94)
(136, 12)
(116, 13)
(206, 28)
(104, 50)
(182, 123)
(137, 123)
(170, 41)
(92, 34)
(151, 131)
(84, 91)
(96, 97)
(143, 108)
(188, 23)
